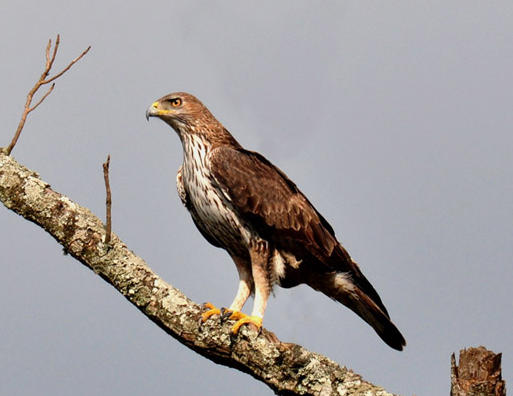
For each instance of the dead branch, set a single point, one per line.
(477, 374)
(108, 202)
(42, 81)
(288, 369)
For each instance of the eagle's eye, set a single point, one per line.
(177, 102)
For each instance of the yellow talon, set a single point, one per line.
(237, 315)
(241, 318)
(212, 311)
(256, 320)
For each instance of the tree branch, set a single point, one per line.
(108, 202)
(478, 373)
(288, 369)
(42, 81)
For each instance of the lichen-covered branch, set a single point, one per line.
(288, 369)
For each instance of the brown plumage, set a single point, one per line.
(242, 203)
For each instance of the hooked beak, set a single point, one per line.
(153, 111)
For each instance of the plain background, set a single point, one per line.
(394, 118)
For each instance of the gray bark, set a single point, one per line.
(288, 369)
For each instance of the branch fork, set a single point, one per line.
(43, 80)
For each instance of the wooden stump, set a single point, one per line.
(477, 374)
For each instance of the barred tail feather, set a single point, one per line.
(341, 288)
(364, 307)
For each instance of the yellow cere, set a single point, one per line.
(155, 105)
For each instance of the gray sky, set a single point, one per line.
(394, 118)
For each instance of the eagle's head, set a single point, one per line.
(182, 111)
(191, 119)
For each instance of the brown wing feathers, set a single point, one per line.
(262, 193)
(270, 200)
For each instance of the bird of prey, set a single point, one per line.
(241, 202)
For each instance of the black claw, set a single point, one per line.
(225, 314)
(260, 331)
(200, 320)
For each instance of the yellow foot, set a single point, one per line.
(241, 318)
(232, 315)
(256, 320)
(212, 311)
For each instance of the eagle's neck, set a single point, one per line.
(195, 150)
(207, 204)
(198, 140)
(210, 132)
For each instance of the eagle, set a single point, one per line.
(241, 202)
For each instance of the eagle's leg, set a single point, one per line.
(243, 293)
(259, 254)
(246, 286)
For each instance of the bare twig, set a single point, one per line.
(42, 98)
(42, 81)
(108, 201)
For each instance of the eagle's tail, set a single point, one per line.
(380, 322)
(341, 288)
